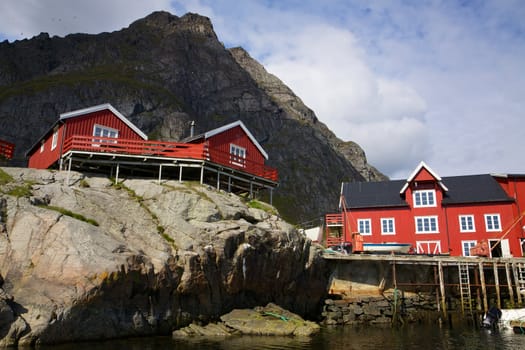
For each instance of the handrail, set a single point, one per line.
(7, 149)
(167, 149)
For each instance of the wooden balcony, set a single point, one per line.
(7, 149)
(167, 150)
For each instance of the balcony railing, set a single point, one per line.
(166, 149)
(6, 149)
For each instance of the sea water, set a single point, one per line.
(409, 337)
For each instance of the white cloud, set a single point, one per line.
(25, 18)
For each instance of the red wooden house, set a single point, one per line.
(448, 215)
(100, 137)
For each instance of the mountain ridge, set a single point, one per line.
(164, 71)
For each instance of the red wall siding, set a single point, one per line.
(83, 125)
(43, 160)
(237, 136)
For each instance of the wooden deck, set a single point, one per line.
(166, 150)
(7, 149)
(182, 161)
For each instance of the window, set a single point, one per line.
(237, 155)
(466, 245)
(492, 222)
(42, 146)
(365, 226)
(54, 141)
(388, 226)
(424, 198)
(104, 131)
(426, 224)
(466, 223)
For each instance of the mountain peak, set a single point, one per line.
(169, 23)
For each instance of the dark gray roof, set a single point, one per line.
(461, 190)
(373, 194)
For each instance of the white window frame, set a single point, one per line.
(430, 218)
(54, 140)
(42, 147)
(466, 246)
(364, 227)
(491, 218)
(105, 131)
(390, 222)
(469, 221)
(426, 198)
(237, 155)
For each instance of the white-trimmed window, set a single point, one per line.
(466, 223)
(424, 198)
(388, 226)
(237, 155)
(492, 222)
(364, 226)
(54, 141)
(466, 245)
(42, 146)
(104, 131)
(426, 224)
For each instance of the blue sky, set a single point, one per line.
(438, 81)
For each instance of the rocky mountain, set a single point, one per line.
(164, 71)
(82, 258)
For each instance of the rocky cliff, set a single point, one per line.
(82, 258)
(164, 71)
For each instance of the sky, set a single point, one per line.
(409, 80)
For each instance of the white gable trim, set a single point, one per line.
(223, 128)
(417, 170)
(102, 107)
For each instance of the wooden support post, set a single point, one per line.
(160, 173)
(478, 293)
(251, 190)
(509, 283)
(496, 282)
(516, 282)
(180, 173)
(116, 174)
(218, 180)
(271, 196)
(442, 290)
(483, 287)
(229, 184)
(202, 174)
(68, 171)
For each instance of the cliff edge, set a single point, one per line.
(82, 258)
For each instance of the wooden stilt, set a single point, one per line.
(516, 282)
(116, 174)
(442, 290)
(496, 282)
(160, 173)
(218, 180)
(180, 173)
(483, 287)
(509, 284)
(202, 174)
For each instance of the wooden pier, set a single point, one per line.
(476, 282)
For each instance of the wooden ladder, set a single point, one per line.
(521, 278)
(464, 287)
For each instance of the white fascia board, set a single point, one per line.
(420, 166)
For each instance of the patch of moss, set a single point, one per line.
(254, 203)
(21, 191)
(69, 213)
(5, 178)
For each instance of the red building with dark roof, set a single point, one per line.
(448, 215)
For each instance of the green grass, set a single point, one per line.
(69, 213)
(263, 206)
(5, 178)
